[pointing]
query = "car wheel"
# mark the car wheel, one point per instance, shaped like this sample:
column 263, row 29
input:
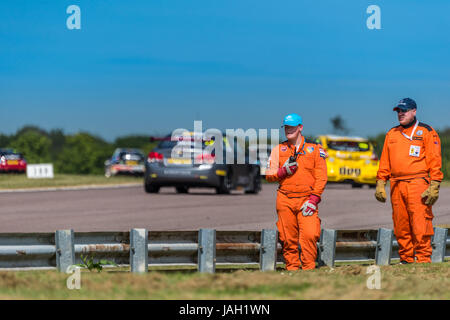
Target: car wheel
column 372, row 186
column 357, row 185
column 256, row 182
column 182, row 189
column 225, row 185
column 151, row 188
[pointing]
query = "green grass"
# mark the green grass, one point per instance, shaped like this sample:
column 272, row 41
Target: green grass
column 20, row 181
column 415, row 281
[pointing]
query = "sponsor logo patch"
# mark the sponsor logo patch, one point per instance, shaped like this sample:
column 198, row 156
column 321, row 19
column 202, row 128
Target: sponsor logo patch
column 322, row 153
column 417, row 138
column 310, row 149
column 284, row 148
column 419, row 133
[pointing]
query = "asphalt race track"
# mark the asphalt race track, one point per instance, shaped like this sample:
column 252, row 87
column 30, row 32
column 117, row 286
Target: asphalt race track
column 125, row 208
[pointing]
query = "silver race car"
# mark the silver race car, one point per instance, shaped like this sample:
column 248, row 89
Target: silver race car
column 184, row 164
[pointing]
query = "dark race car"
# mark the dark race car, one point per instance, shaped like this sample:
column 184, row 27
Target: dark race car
column 12, row 161
column 197, row 168
column 125, row 161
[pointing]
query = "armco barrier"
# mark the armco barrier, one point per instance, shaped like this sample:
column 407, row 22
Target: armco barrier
column 205, row 248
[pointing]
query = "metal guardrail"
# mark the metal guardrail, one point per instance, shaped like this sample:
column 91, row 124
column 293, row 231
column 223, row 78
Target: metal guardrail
column 205, row 248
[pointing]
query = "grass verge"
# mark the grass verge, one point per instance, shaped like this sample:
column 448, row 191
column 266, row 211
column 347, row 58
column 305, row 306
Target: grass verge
column 416, row 281
column 20, row 181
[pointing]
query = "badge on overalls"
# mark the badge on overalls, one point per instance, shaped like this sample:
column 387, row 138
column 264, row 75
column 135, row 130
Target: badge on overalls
column 414, row 151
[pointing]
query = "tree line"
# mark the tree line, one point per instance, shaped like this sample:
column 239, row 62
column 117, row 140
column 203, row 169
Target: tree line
column 84, row 153
column 80, row 153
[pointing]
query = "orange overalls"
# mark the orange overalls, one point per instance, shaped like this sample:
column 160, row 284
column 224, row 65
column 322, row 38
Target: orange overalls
column 310, row 178
column 411, row 157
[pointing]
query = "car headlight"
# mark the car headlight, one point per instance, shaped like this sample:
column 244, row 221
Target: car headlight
column 205, row 166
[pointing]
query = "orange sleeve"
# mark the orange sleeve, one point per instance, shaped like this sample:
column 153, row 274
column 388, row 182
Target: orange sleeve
column 320, row 172
column 273, row 164
column 433, row 155
column 384, row 170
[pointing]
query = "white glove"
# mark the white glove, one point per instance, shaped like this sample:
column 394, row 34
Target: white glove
column 308, row 208
column 291, row 167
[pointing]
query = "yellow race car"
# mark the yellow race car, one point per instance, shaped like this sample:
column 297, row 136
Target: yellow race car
column 350, row 160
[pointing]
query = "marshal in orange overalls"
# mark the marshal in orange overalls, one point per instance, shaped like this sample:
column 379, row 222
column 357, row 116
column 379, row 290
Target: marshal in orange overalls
column 411, row 157
column 293, row 192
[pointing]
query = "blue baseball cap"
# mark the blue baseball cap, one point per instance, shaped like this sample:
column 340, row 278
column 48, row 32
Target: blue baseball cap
column 292, row 120
column 405, row 105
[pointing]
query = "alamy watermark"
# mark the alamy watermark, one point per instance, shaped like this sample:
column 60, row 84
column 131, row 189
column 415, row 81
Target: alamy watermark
column 374, row 281
column 73, row 281
column 374, row 20
column 229, row 147
column 74, row 20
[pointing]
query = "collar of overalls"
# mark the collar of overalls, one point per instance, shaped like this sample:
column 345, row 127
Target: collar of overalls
column 300, row 148
column 409, row 125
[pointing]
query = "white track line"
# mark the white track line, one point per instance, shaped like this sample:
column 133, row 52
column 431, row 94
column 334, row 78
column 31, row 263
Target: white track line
column 75, row 188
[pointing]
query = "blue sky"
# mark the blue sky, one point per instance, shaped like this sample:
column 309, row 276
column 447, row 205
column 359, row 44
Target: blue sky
column 148, row 67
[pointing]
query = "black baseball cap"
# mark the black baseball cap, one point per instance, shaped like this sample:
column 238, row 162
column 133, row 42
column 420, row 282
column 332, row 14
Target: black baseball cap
column 405, row 105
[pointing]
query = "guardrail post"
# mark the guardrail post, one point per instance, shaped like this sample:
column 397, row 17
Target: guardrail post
column 139, row 250
column 65, row 250
column 439, row 244
column 268, row 250
column 328, row 246
column 383, row 251
column 207, row 250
